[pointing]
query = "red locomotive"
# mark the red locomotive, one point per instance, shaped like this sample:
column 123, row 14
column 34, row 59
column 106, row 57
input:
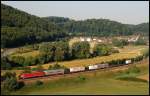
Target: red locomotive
column 31, row 75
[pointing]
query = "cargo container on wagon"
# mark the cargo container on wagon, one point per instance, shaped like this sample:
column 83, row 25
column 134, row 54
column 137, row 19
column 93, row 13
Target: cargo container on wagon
column 92, row 67
column 103, row 65
column 77, row 69
column 128, row 61
column 54, row 72
column 31, row 75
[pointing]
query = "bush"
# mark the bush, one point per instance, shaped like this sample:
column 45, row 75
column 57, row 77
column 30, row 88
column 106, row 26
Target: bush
column 26, row 70
column 10, row 84
column 50, row 67
column 102, row 50
column 38, row 83
column 119, row 43
column 81, row 78
column 21, row 84
column 133, row 69
column 5, row 65
column 8, row 75
column 140, row 41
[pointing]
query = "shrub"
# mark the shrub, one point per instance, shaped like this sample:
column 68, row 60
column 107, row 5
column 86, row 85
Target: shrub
column 27, row 70
column 5, row 65
column 81, row 78
column 133, row 69
column 8, row 75
column 10, row 84
column 38, row 83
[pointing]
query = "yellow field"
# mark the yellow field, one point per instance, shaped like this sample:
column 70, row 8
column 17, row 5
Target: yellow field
column 127, row 52
column 27, row 54
column 145, row 77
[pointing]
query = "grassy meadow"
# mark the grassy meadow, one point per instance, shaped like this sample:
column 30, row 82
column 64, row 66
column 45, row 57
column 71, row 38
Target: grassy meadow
column 99, row 82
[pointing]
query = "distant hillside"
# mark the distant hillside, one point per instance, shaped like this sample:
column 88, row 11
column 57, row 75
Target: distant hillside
column 57, row 20
column 142, row 28
column 19, row 28
column 98, row 27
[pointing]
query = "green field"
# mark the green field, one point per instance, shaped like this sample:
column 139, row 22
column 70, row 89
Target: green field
column 98, row 82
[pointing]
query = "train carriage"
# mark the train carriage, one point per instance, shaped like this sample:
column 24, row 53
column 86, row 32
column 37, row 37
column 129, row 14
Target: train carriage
column 54, row 72
column 77, row 69
column 128, row 62
column 92, row 67
column 103, row 65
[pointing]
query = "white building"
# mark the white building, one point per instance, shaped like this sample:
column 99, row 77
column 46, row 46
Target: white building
column 94, row 39
column 82, row 39
column 99, row 40
column 88, row 39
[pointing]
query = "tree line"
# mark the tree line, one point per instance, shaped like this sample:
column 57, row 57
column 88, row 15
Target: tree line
column 57, row 51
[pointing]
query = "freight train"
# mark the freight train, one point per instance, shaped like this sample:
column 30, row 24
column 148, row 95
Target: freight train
column 65, row 71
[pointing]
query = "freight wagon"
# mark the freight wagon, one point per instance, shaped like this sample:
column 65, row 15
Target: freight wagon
column 103, row 65
column 54, row 72
column 128, row 61
column 31, row 75
column 92, row 67
column 77, row 69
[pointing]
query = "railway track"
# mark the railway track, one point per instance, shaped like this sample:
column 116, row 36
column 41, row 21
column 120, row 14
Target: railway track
column 51, row 77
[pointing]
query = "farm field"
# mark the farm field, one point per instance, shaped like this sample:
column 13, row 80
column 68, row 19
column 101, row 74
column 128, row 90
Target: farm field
column 145, row 77
column 98, row 83
column 27, row 54
column 127, row 52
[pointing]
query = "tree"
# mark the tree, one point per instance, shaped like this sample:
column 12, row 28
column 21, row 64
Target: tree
column 81, row 50
column 10, row 84
column 140, row 41
column 101, row 50
column 119, row 43
column 47, row 51
column 61, row 51
column 8, row 75
column 5, row 64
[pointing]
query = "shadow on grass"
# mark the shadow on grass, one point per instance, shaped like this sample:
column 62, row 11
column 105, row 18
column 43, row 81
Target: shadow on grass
column 133, row 79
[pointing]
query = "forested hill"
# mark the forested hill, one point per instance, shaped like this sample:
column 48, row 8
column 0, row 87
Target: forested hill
column 142, row 28
column 98, row 27
column 19, row 28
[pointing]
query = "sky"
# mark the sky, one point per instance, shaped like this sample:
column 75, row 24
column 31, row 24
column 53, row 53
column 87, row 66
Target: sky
column 128, row 12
